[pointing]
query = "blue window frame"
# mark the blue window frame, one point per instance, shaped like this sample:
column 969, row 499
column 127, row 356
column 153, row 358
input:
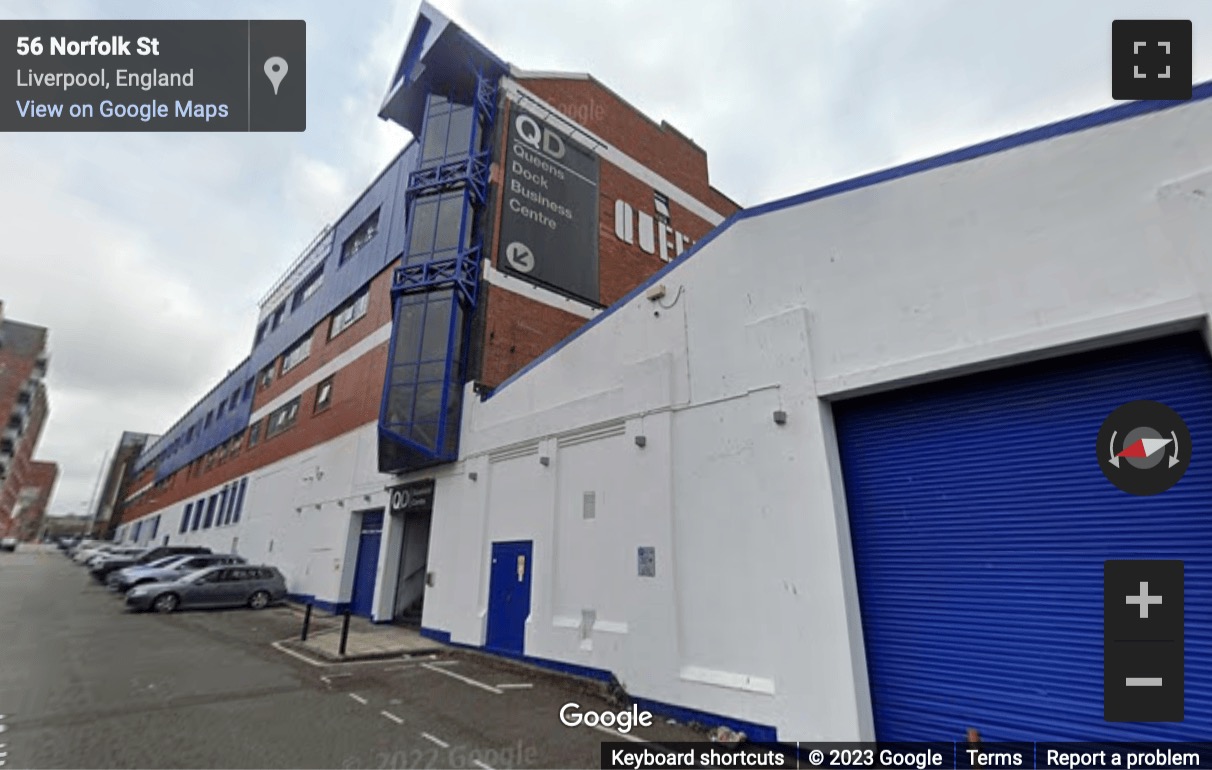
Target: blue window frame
column 221, row 508
column 239, row 500
column 198, row 513
column 210, row 511
column 136, row 530
column 155, row 527
column 185, row 518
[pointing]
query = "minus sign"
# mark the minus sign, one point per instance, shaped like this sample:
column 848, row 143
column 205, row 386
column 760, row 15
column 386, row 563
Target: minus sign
column 1143, row 681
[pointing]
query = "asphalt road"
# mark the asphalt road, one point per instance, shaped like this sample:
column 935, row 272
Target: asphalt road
column 83, row 683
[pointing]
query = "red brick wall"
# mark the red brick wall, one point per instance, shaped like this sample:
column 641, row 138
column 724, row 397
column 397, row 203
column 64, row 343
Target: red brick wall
column 658, row 146
column 41, row 475
column 19, row 470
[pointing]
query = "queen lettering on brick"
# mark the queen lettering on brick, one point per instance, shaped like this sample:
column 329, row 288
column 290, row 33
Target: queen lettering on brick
column 653, row 236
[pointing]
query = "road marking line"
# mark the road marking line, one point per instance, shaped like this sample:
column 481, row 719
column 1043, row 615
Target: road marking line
column 522, row 686
column 328, row 679
column 436, row 740
column 481, row 765
column 392, row 717
column 617, row 734
column 320, row 664
column 462, row 678
column 359, row 698
column 446, row 662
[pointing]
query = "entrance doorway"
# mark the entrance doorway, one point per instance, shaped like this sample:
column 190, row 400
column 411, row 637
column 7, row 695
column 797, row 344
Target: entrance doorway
column 414, row 565
column 509, row 596
column 367, row 564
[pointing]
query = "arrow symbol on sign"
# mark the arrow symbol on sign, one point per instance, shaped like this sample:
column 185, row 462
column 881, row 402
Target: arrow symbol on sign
column 1174, row 457
column 1114, row 457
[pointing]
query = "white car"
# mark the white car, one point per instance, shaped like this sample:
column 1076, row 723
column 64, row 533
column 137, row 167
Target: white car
column 8, row 544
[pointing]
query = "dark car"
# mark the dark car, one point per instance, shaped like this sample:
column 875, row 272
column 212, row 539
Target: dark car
column 167, row 569
column 232, row 586
column 102, row 569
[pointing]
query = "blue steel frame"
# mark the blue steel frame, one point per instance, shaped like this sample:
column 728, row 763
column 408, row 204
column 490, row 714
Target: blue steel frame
column 462, row 272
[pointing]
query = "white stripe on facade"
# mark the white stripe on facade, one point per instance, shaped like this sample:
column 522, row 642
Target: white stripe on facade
column 360, row 348
column 518, row 93
column 537, row 293
column 139, row 491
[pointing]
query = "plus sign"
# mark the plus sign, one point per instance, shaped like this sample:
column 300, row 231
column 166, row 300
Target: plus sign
column 1144, row 600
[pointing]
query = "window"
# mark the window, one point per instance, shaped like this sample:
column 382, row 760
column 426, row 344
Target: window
column 185, row 518
column 282, row 418
column 248, row 389
column 233, row 400
column 261, row 329
column 360, row 237
column 254, row 434
column 210, row 511
column 353, row 309
column 267, row 376
column 297, row 353
column 189, row 434
column 240, row 502
column 210, row 417
column 661, row 203
column 276, row 319
column 308, row 288
column 222, row 408
column 155, row 527
column 324, row 395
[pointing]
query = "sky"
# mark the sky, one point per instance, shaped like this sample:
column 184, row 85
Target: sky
column 146, row 254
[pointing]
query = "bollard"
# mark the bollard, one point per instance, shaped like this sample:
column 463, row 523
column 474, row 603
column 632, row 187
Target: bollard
column 344, row 633
column 306, row 622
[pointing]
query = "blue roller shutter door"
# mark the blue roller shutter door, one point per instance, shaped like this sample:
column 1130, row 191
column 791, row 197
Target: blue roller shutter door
column 980, row 522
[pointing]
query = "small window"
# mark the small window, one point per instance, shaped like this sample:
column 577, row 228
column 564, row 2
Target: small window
column 308, row 289
column 210, row 417
column 282, row 418
column 248, row 389
column 297, row 354
column 661, row 203
column 267, row 376
column 348, row 313
column 360, row 237
column 324, row 395
column 254, row 434
column 222, row 408
column 233, row 400
column 262, row 328
column 276, row 319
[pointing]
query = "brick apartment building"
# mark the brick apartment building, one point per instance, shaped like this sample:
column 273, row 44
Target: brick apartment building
column 527, row 204
column 25, row 485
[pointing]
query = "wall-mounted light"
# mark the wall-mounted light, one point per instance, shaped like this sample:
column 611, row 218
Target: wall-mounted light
column 641, row 441
column 473, row 475
column 655, row 292
column 544, row 460
column 780, row 417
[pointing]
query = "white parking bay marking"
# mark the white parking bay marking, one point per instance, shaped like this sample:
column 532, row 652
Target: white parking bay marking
column 358, row 698
column 392, row 717
column 435, row 739
column 462, row 678
column 481, row 765
column 519, row 686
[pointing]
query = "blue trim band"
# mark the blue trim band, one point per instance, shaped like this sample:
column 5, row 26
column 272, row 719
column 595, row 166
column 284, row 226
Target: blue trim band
column 1102, row 117
column 435, row 634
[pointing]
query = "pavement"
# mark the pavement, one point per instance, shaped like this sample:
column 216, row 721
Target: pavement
column 365, row 641
column 85, row 683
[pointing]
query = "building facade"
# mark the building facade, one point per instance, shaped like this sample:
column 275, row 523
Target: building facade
column 29, row 514
column 527, row 204
column 119, row 467
column 834, row 474
column 23, row 402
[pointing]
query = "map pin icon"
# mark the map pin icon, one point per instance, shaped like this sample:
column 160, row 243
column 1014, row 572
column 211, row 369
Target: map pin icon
column 275, row 70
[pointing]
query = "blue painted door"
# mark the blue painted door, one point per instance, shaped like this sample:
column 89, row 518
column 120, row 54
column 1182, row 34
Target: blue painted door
column 367, row 564
column 509, row 596
column 980, row 521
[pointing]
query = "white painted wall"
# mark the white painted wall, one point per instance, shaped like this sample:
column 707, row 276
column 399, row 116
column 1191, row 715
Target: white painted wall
column 1077, row 241
column 298, row 514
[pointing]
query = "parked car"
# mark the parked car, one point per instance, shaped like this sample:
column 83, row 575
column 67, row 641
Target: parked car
column 8, row 544
column 110, row 553
column 86, row 551
column 101, row 570
column 241, row 586
column 167, row 569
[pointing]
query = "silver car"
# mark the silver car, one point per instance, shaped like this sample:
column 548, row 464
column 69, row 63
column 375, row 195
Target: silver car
column 228, row 586
column 167, row 569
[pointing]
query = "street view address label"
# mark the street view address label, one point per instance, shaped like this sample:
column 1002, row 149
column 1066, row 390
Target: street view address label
column 153, row 75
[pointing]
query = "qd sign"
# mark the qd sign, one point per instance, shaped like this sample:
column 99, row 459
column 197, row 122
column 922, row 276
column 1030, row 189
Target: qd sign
column 538, row 136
